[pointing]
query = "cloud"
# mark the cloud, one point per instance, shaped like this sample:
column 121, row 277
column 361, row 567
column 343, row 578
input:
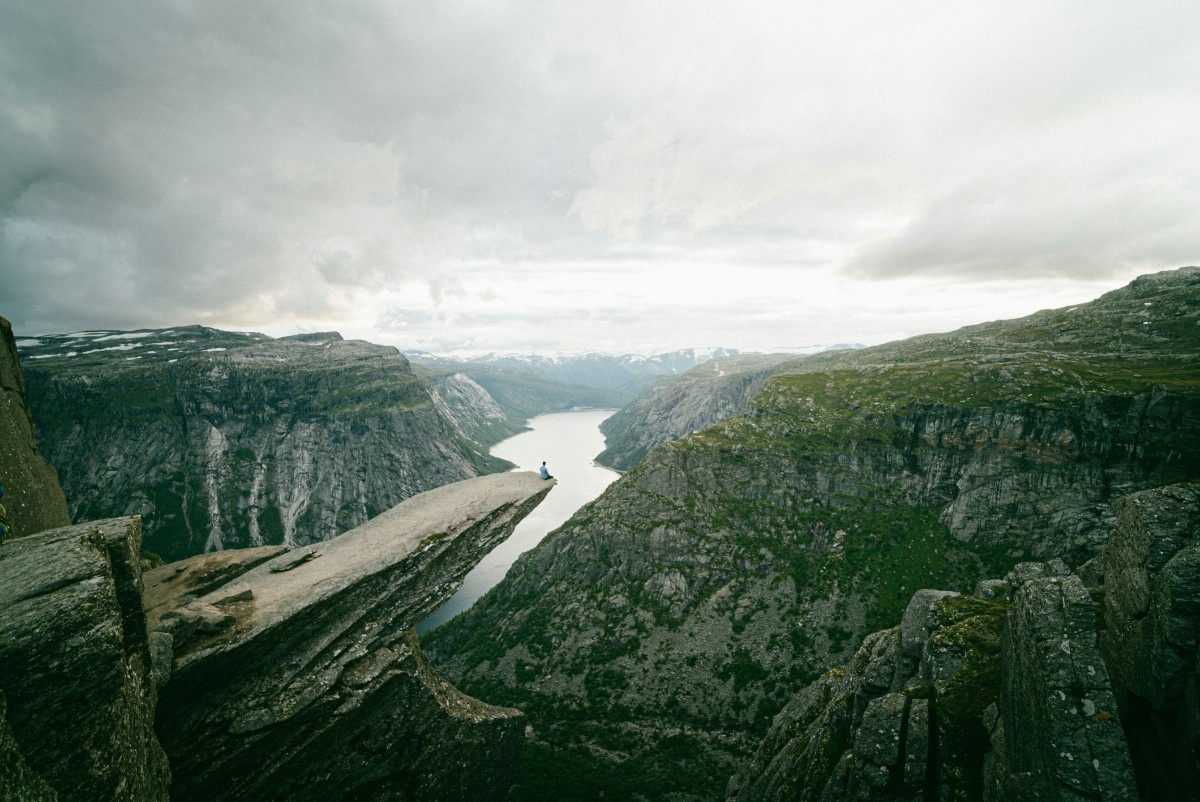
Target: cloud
column 1084, row 215
column 319, row 163
column 228, row 160
column 906, row 139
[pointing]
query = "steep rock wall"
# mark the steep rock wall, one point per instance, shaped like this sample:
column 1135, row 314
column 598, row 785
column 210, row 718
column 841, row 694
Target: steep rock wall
column 77, row 673
column 471, row 409
column 221, row 440
column 967, row 699
column 1150, row 572
column 33, row 498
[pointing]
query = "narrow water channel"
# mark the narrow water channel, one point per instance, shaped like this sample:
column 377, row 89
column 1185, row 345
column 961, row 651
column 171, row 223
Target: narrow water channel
column 567, row 442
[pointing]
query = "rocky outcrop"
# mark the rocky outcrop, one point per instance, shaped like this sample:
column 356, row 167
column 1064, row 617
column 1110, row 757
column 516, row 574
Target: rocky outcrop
column 300, row 677
column 523, row 392
column 470, row 408
column 967, row 699
column 1056, row 733
column 33, row 498
column 682, row 609
column 76, row 668
column 227, row 440
column 1150, row 574
column 672, row 407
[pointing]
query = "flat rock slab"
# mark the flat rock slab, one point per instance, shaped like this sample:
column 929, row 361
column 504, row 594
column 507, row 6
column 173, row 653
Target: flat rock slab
column 167, row 585
column 301, row 678
column 303, row 577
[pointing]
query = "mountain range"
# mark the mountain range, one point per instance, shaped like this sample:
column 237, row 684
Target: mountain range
column 654, row 636
column 960, row 566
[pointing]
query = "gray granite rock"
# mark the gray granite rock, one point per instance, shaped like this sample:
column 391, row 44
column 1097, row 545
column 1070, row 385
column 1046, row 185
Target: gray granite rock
column 991, row 589
column 33, row 498
column 300, row 677
column 1062, row 737
column 76, row 662
column 1152, row 611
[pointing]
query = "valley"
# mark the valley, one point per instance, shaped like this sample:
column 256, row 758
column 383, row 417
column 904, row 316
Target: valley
column 802, row 552
column 653, row 637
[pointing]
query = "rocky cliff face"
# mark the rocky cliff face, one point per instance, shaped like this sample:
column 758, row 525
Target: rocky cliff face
column 266, row 673
column 223, row 440
column 670, row 408
column 77, row 672
column 652, row 638
column 1049, row 685
column 470, row 408
column 33, row 498
column 1149, row 575
column 967, row 699
column 301, row 678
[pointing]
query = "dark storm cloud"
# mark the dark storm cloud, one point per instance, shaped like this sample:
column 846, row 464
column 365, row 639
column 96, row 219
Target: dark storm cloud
column 188, row 160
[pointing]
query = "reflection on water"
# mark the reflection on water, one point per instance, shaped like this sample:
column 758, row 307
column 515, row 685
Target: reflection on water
column 567, row 442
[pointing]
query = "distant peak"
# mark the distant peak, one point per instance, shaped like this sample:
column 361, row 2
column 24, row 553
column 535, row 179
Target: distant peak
column 314, row 336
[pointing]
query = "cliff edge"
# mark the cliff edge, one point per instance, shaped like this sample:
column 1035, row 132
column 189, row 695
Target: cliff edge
column 32, row 496
column 77, row 677
column 1048, row 684
column 301, row 676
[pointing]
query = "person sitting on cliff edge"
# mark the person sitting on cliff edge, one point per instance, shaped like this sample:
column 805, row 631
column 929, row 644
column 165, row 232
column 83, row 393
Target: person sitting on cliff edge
column 545, row 473
column 4, row 527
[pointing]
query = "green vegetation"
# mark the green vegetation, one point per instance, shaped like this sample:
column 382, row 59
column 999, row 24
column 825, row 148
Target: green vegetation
column 434, row 537
column 973, row 628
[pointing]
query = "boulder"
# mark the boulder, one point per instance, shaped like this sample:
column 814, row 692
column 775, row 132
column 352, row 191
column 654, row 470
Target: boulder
column 1151, row 595
column 76, row 667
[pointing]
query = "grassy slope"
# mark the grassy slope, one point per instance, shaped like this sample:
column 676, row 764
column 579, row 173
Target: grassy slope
column 616, row 709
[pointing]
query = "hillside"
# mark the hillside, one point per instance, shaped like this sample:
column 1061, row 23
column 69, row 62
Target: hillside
column 671, row 407
column 522, row 392
column 224, row 439
column 653, row 637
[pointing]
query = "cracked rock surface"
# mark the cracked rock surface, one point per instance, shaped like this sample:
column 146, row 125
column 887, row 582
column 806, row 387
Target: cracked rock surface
column 300, row 678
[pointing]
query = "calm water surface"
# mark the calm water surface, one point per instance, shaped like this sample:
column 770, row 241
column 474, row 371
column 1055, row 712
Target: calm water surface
column 568, row 442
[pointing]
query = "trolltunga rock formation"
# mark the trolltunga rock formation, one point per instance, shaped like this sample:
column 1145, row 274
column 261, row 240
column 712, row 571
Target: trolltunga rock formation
column 301, row 676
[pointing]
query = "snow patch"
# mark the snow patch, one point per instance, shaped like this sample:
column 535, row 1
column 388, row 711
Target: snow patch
column 28, row 343
column 132, row 335
column 123, row 347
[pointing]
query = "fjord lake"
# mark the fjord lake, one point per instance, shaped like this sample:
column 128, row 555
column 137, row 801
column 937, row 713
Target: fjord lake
column 567, row 442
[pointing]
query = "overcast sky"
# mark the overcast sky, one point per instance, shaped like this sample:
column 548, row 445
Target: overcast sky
column 569, row 176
